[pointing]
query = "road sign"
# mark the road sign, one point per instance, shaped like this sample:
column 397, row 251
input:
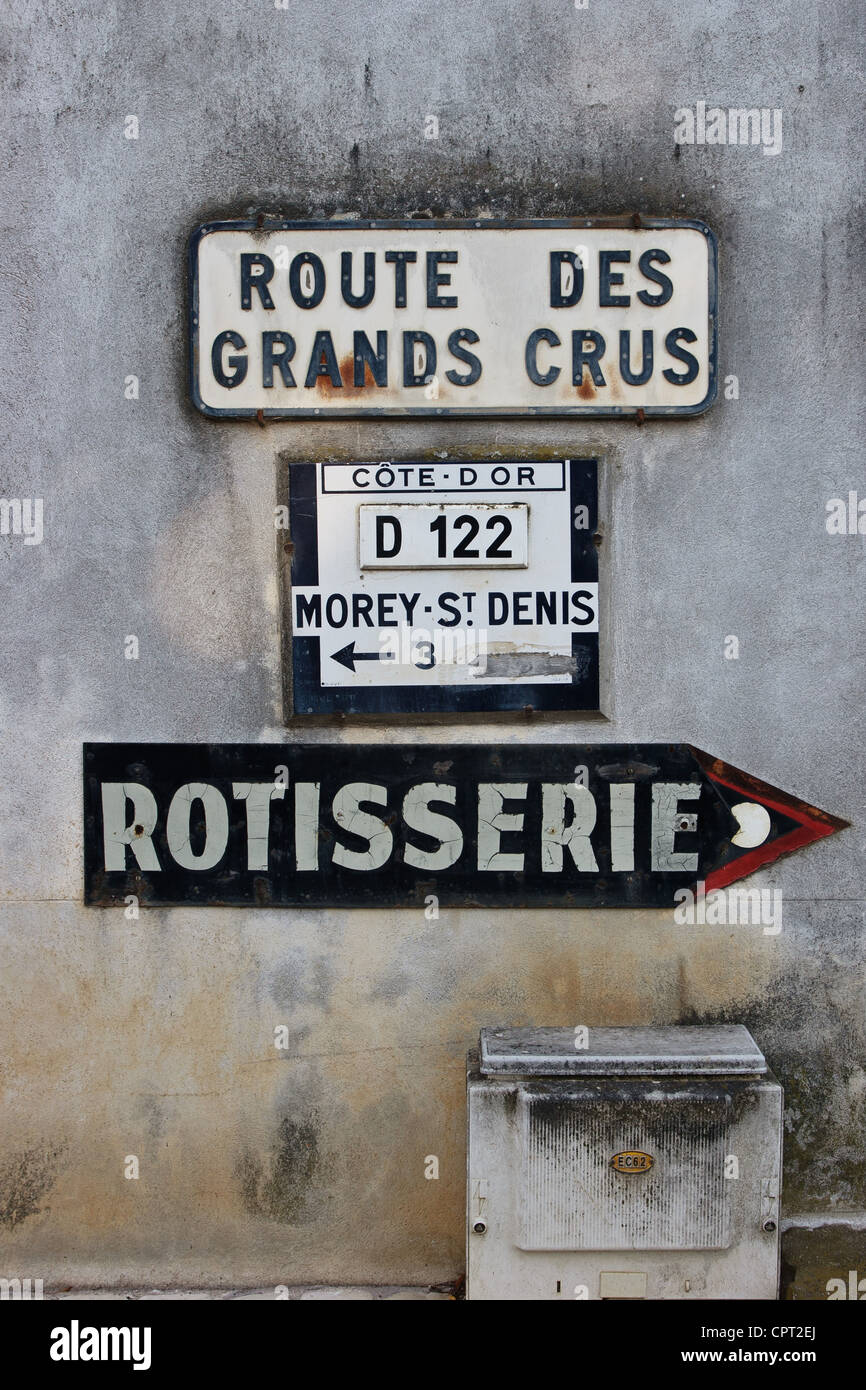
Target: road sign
column 518, row 825
column 444, row 586
column 581, row 317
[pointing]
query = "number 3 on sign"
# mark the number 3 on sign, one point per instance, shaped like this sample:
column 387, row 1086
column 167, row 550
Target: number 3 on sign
column 425, row 650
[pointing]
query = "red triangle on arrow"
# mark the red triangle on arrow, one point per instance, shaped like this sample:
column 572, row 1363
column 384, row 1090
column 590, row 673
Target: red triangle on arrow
column 812, row 823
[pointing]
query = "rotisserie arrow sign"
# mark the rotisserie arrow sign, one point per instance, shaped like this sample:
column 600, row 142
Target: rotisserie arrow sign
column 511, row 825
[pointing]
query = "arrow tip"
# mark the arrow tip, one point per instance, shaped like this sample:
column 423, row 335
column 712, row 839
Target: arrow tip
column 346, row 656
column 753, row 817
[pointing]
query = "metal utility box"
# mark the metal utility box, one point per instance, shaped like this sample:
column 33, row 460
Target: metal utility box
column 622, row 1163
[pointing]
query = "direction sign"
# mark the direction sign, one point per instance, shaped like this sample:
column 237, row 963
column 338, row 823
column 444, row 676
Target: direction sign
column 444, row 586
column 585, row 317
column 566, row 825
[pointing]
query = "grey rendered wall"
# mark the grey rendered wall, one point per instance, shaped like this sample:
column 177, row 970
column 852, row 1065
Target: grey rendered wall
column 154, row 1037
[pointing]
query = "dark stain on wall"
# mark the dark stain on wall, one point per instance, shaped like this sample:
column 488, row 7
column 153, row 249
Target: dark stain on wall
column 824, row 1105
column 826, row 1262
column 26, row 1178
column 281, row 1188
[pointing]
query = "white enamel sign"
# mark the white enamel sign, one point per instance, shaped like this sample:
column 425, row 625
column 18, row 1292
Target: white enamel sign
column 445, row 318
column 444, row 585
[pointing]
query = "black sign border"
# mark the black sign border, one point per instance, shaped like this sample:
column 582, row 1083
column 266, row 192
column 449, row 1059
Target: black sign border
column 309, row 699
column 623, row 223
column 397, row 765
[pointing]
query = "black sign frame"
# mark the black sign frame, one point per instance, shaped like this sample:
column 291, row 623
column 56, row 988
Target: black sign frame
column 162, row 769
column 307, row 695
column 262, row 225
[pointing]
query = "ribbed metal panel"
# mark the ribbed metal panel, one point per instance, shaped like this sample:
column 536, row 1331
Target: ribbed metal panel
column 571, row 1197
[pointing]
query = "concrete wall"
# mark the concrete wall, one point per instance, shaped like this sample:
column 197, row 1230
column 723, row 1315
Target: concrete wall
column 155, row 1037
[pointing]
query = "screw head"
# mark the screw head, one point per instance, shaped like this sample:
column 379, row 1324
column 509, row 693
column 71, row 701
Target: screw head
column 480, row 1227
column 769, row 1227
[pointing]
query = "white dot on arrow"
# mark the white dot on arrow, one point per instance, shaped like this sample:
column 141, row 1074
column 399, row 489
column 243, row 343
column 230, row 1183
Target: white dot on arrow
column 754, row 822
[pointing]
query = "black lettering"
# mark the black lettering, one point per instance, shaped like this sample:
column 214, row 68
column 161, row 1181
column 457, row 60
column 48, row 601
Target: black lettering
column 606, row 278
column 558, row 259
column 435, row 278
column 545, row 608
column 281, row 360
column 399, row 260
column 410, row 376
column 237, row 364
column 385, row 607
column 323, row 361
column 585, row 610
column 539, row 378
column 646, row 371
column 468, row 523
column 309, row 610
column 464, row 335
column 522, row 615
column 249, row 282
column 644, row 265
column 692, row 365
column 337, row 610
column 365, row 357
column 382, row 551
column 358, row 301
column 580, row 357
column 446, row 603
column 505, row 529
column 497, row 608
column 362, row 606
column 316, row 295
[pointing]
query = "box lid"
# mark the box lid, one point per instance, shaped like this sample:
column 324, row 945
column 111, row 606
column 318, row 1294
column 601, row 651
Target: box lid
column 702, row 1050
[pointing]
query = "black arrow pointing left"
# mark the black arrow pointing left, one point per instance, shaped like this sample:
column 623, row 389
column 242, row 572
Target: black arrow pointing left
column 347, row 656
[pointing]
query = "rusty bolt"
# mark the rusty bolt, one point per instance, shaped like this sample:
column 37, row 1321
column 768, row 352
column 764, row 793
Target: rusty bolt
column 640, row 416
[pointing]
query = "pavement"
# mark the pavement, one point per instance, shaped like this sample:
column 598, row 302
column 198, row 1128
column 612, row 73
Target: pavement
column 282, row 1292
